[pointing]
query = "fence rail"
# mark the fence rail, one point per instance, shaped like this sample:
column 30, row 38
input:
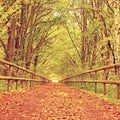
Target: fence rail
column 104, row 75
column 19, row 76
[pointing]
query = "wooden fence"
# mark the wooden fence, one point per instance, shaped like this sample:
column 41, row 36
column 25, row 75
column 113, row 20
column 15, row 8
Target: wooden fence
column 104, row 75
column 19, row 76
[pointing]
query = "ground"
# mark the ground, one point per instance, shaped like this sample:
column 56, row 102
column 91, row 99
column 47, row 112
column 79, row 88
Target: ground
column 55, row 101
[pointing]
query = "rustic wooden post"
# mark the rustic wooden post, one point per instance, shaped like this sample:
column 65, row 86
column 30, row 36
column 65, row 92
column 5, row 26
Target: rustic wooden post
column 9, row 74
column 17, row 72
column 16, row 84
column 96, row 77
column 33, row 77
column 77, row 84
column 33, row 83
column 104, row 84
column 105, row 74
column 95, row 87
column 79, row 79
column 30, row 83
column 8, row 85
column 22, row 84
column 118, row 91
column 118, row 72
column 26, row 82
column 104, row 91
column 81, row 84
column 9, row 70
column 89, row 86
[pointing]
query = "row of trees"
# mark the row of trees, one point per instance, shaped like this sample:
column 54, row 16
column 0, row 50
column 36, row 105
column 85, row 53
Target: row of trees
column 62, row 36
column 98, row 22
column 26, row 26
column 93, row 27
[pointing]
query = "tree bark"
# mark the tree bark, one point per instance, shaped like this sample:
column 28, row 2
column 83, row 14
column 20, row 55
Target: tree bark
column 117, row 29
column 84, row 27
column 22, row 31
column 11, row 41
column 29, row 47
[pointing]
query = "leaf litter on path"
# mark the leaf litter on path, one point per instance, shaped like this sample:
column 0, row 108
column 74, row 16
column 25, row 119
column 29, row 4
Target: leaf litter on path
column 55, row 101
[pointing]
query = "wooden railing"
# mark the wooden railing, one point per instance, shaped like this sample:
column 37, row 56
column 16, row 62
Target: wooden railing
column 104, row 75
column 14, row 75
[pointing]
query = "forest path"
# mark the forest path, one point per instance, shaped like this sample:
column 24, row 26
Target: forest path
column 55, row 101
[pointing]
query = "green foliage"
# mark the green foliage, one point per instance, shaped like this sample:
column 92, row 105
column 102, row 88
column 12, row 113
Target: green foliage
column 110, row 96
column 66, row 35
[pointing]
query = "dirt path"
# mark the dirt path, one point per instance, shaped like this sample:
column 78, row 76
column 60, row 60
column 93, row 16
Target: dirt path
column 55, row 102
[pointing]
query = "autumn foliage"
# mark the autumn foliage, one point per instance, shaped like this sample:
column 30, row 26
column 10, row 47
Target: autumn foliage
column 55, row 101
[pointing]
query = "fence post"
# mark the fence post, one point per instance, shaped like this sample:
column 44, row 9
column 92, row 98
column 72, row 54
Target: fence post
column 17, row 72
column 85, row 85
column 9, row 74
column 89, row 86
column 22, row 84
column 16, row 84
column 118, row 72
column 8, row 85
column 118, row 91
column 105, row 74
column 95, row 87
column 30, row 83
column 33, row 77
column 104, row 89
column 26, row 83
column 104, row 84
column 96, row 77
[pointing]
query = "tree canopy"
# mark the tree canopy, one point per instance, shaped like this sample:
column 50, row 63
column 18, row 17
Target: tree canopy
column 60, row 37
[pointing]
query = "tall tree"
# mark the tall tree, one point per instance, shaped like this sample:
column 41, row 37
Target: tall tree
column 117, row 28
column 11, row 41
column 30, row 40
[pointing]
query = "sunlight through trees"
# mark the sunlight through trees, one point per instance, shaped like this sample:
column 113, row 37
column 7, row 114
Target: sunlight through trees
column 62, row 36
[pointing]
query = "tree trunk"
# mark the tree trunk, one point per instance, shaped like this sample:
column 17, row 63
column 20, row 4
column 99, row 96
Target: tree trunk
column 11, row 41
column 29, row 47
column 35, row 62
column 84, row 27
column 22, row 31
column 117, row 30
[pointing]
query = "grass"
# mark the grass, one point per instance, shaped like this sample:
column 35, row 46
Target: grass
column 111, row 91
column 3, row 86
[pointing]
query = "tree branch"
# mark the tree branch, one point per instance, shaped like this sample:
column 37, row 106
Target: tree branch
column 4, row 46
